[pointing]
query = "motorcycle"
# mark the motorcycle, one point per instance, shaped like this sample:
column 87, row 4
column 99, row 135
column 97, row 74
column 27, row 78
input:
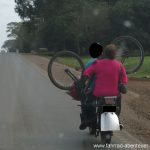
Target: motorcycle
column 106, row 108
column 107, row 120
column 66, row 68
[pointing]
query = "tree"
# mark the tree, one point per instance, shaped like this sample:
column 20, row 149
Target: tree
column 25, row 8
column 9, row 45
column 75, row 24
column 22, row 33
column 132, row 17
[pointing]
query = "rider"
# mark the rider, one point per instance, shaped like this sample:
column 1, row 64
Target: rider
column 107, row 73
column 95, row 51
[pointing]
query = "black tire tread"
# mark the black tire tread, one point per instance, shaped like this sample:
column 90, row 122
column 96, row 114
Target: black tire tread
column 141, row 51
column 62, row 53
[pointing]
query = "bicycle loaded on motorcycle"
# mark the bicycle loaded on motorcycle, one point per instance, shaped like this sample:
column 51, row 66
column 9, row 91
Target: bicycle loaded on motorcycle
column 105, row 110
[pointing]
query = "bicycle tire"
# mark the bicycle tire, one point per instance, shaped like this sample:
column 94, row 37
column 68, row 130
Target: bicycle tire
column 59, row 54
column 141, row 50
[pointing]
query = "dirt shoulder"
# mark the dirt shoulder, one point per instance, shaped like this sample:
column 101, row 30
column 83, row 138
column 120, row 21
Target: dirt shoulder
column 135, row 105
column 135, row 110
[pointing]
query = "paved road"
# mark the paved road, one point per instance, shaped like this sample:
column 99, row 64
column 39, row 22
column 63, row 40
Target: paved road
column 34, row 115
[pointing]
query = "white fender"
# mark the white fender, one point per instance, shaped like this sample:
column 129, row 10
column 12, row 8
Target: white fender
column 109, row 122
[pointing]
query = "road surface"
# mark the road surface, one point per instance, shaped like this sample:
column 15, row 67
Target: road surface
column 34, row 115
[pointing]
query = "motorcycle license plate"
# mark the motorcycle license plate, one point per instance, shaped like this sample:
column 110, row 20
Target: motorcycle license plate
column 110, row 100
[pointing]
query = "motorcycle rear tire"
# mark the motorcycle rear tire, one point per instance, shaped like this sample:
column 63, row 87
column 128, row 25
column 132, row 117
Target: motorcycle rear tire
column 92, row 131
column 106, row 137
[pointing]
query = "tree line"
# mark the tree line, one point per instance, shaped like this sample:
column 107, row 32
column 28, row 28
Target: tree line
column 75, row 24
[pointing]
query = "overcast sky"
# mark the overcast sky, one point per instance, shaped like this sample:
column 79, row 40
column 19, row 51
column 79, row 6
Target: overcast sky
column 7, row 14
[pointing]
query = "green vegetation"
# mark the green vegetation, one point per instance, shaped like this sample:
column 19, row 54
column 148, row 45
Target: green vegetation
column 142, row 73
column 75, row 24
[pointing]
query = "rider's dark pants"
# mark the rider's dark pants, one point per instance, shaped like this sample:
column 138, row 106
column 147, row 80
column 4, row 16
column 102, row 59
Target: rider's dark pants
column 88, row 112
column 119, row 105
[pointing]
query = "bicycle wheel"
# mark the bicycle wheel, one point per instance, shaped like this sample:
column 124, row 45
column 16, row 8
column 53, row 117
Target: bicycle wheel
column 64, row 68
column 130, row 53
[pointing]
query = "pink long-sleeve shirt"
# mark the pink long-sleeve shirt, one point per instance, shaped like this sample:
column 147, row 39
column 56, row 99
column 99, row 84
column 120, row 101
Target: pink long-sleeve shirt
column 108, row 74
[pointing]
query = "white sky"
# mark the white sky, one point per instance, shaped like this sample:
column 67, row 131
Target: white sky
column 7, row 14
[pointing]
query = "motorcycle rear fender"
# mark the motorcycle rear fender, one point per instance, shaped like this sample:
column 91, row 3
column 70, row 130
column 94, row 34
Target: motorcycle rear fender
column 109, row 122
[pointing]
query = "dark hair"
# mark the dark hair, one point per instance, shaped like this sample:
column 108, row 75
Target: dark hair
column 95, row 50
column 110, row 51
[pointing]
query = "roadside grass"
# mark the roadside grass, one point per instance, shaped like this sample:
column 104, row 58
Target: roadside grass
column 45, row 55
column 142, row 73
